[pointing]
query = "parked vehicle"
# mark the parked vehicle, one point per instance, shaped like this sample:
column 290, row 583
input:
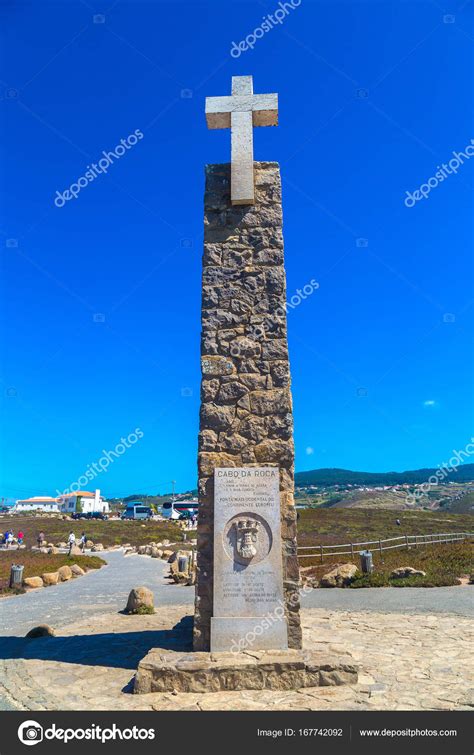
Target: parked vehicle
column 90, row 515
column 185, row 516
column 138, row 511
column 175, row 509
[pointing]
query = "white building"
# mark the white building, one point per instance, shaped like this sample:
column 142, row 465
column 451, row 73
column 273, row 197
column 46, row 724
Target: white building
column 37, row 503
column 82, row 501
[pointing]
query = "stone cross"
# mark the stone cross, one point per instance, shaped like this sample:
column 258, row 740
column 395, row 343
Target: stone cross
column 241, row 112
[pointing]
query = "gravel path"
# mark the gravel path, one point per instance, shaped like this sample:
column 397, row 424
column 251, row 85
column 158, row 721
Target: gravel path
column 107, row 589
column 442, row 600
column 97, row 592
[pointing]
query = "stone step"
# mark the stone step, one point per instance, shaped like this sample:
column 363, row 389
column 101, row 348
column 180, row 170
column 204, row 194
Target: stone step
column 161, row 671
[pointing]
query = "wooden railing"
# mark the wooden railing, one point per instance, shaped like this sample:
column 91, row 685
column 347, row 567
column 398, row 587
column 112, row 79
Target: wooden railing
column 404, row 541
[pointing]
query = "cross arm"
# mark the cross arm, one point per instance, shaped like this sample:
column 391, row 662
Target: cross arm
column 264, row 109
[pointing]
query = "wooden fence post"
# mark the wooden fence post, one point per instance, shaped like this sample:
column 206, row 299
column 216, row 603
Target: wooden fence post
column 406, row 541
column 321, row 553
column 380, row 547
column 352, row 551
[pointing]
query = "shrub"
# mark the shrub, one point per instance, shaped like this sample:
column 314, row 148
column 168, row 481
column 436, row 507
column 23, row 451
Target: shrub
column 143, row 610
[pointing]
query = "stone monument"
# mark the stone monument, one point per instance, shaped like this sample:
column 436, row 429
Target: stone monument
column 247, row 580
column 247, row 565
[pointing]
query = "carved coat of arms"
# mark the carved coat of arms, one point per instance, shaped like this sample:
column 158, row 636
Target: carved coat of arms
column 247, row 537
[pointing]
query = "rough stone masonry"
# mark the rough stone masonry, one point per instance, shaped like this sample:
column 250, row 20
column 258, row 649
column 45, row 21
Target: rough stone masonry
column 246, row 407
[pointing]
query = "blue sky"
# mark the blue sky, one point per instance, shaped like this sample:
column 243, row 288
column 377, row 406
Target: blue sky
column 101, row 297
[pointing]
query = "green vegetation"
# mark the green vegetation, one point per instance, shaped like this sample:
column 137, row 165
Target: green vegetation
column 462, row 506
column 109, row 532
column 463, row 473
column 444, row 564
column 144, row 610
column 328, row 526
column 37, row 564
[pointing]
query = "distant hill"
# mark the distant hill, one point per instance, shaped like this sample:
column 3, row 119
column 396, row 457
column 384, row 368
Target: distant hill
column 463, row 473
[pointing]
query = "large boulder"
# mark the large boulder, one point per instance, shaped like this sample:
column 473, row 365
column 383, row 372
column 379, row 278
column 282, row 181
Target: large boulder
column 167, row 554
column 33, row 582
column 61, row 545
column 140, row 600
column 50, row 578
column 142, row 550
column 155, row 552
column 77, row 571
column 341, row 576
column 89, row 544
column 406, row 571
column 42, row 630
column 75, row 551
column 97, row 547
column 65, row 573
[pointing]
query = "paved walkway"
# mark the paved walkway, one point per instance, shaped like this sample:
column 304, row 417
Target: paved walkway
column 407, row 662
column 107, row 590
column 414, row 645
column 449, row 600
column 100, row 590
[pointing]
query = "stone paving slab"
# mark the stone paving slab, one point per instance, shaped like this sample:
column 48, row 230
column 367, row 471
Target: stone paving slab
column 406, row 662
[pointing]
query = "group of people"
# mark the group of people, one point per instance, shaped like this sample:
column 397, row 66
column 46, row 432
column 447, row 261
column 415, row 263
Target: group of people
column 71, row 541
column 9, row 537
column 190, row 523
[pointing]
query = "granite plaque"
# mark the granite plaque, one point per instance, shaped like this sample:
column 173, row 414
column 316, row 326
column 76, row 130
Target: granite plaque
column 248, row 609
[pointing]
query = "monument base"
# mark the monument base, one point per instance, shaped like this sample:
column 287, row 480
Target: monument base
column 161, row 671
column 227, row 634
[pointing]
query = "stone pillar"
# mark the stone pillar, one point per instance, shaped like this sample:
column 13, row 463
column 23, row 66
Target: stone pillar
column 246, row 408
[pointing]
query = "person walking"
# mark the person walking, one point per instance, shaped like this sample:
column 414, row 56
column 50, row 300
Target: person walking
column 83, row 542
column 40, row 539
column 9, row 538
column 71, row 541
column 20, row 537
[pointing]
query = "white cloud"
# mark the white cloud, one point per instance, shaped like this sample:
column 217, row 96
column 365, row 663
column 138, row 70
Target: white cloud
column 429, row 402
column 309, row 451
